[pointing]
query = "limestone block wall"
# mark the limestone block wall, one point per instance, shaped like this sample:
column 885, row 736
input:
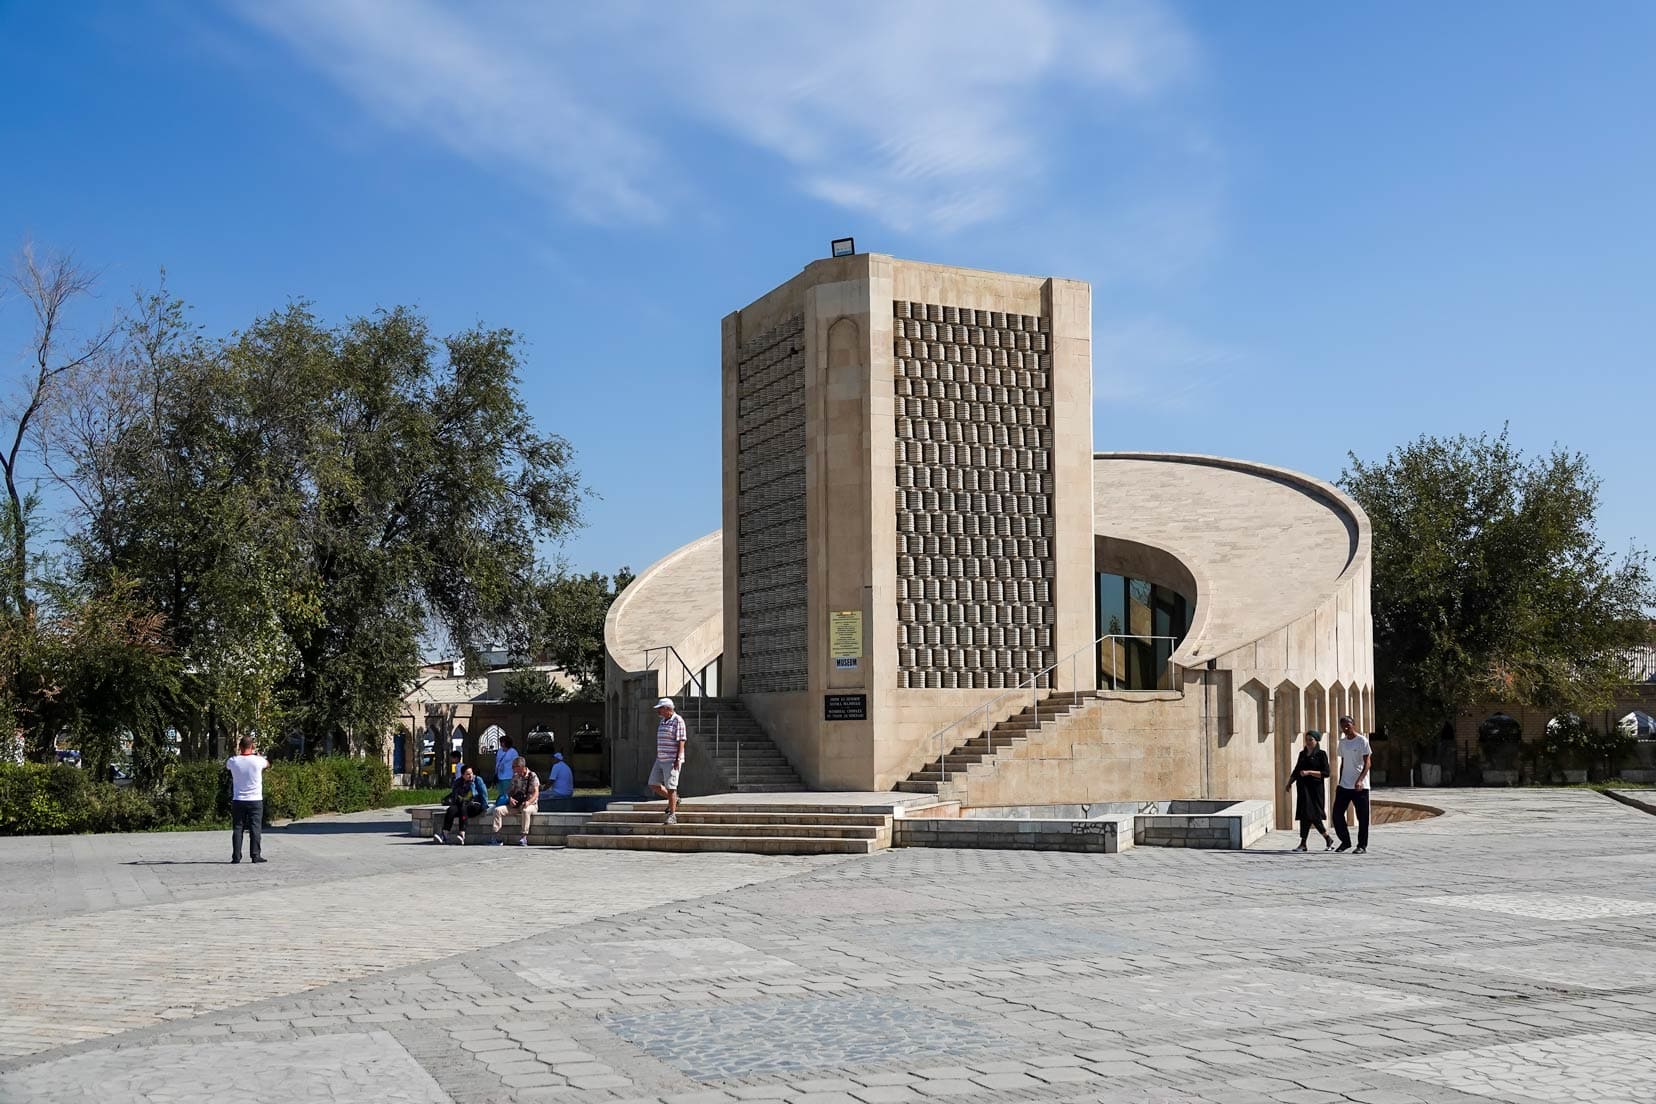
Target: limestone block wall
column 1281, row 636
column 1265, row 695
column 1119, row 748
column 675, row 601
column 972, row 422
column 770, row 510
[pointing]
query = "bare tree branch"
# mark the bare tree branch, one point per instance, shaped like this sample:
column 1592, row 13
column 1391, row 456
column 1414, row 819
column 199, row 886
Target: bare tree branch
column 50, row 285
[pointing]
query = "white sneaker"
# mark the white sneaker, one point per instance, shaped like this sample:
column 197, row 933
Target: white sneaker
column 523, row 841
column 438, row 837
column 672, row 818
column 460, row 838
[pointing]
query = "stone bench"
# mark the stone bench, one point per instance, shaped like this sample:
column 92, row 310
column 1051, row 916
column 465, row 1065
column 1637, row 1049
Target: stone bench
column 547, row 829
column 1106, row 835
column 1210, row 824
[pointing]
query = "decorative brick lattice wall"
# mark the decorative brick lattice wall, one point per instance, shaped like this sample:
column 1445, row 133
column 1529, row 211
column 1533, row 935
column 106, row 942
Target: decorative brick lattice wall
column 770, row 506
column 973, row 412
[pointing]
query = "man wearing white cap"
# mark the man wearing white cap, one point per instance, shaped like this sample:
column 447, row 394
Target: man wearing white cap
column 664, row 776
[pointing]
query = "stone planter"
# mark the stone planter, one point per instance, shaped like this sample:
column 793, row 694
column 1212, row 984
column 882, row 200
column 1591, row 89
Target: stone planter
column 1431, row 774
column 1573, row 777
column 1500, row 777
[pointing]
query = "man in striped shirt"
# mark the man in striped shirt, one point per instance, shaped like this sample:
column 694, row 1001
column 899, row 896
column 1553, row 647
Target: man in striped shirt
column 664, row 776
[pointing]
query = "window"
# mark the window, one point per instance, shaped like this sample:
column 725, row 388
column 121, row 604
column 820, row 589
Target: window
column 1144, row 624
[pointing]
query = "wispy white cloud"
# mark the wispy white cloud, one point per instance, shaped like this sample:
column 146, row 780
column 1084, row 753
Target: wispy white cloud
column 1152, row 362
column 926, row 115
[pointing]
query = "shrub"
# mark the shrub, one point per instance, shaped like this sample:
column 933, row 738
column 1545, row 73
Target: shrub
column 40, row 799
column 339, row 784
column 1569, row 742
column 117, row 809
column 27, row 806
column 37, row 799
column 1500, row 741
column 1608, row 750
column 194, row 792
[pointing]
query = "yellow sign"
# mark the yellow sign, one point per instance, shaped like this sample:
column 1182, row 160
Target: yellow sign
column 845, row 640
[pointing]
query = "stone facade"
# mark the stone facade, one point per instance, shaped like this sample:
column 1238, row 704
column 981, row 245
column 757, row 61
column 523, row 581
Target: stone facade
column 937, row 428
column 974, row 496
column 770, row 508
column 914, row 524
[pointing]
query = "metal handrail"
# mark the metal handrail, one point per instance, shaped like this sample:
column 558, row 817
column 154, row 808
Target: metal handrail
column 689, row 675
column 1032, row 684
column 1174, row 641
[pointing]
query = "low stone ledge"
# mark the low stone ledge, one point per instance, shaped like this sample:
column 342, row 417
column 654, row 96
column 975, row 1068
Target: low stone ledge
column 546, row 830
column 1205, row 824
column 1107, row 835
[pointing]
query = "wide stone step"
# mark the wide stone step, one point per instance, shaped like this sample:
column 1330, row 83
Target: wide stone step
column 654, row 827
column 749, row 845
column 761, row 787
column 692, row 816
column 909, row 785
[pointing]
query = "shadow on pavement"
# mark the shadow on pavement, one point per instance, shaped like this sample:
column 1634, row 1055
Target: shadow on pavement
column 387, row 826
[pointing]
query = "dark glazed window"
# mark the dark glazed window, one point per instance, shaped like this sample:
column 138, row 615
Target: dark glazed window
column 1144, row 624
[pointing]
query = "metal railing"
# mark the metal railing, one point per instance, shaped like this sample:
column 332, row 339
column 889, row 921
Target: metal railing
column 1031, row 686
column 1133, row 647
column 666, row 685
column 691, row 679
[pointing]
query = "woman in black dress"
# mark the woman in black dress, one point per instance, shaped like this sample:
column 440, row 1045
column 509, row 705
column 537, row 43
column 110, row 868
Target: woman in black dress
column 1310, row 773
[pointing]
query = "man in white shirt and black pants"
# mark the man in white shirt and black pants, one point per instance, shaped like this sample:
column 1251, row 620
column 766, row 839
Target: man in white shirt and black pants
column 1353, row 789
column 246, row 799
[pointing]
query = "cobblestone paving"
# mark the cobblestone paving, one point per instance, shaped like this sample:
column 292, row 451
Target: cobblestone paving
column 324, row 1068
column 740, row 1040
column 596, row 965
column 1612, row 1067
column 1501, row 952
column 1547, row 906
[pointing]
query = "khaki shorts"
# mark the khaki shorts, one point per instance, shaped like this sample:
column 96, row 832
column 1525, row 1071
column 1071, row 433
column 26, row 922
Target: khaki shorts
column 664, row 774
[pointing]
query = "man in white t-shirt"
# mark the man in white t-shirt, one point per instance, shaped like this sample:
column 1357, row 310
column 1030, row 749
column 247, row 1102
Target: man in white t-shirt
column 246, row 799
column 1353, row 789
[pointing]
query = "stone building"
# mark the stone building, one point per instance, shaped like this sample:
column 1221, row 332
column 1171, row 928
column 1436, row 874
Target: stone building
column 927, row 579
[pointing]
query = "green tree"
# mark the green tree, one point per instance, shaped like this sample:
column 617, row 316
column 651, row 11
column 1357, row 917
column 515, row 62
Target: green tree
column 568, row 625
column 530, row 687
column 1490, row 582
column 302, row 501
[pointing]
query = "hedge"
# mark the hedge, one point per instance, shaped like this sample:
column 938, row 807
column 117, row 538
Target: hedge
column 37, row 799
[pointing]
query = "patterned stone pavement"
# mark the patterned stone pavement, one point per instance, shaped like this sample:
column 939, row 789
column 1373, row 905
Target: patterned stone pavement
column 1502, row 952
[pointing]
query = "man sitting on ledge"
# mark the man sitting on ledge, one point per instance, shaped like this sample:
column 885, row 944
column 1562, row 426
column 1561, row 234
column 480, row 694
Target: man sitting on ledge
column 522, row 798
column 467, row 799
column 563, row 785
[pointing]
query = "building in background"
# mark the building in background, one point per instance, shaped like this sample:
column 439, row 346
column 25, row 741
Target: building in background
column 927, row 579
column 446, row 708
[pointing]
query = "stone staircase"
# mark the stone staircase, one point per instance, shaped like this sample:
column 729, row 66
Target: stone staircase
column 934, row 778
column 746, row 760
column 771, row 828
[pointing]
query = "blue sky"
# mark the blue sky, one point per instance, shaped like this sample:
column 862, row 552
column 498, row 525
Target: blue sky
column 1310, row 228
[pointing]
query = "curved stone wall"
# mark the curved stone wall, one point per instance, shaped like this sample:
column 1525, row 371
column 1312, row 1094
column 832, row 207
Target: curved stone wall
column 1281, row 639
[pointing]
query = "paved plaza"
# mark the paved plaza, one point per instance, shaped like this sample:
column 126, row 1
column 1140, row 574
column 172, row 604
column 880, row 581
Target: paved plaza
column 1501, row 952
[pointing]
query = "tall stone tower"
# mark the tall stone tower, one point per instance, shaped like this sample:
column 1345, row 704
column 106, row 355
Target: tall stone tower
column 908, row 510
